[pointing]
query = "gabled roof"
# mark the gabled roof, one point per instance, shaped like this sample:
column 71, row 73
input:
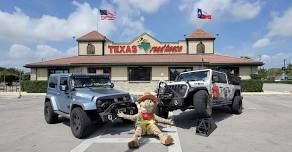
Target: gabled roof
column 151, row 59
column 92, row 36
column 200, row 34
column 141, row 35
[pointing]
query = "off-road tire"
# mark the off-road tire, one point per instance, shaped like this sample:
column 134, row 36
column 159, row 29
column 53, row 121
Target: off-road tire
column 162, row 112
column 80, row 123
column 236, row 107
column 202, row 104
column 50, row 116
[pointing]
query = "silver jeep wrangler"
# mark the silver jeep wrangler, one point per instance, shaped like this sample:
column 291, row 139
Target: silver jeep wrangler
column 200, row 90
column 85, row 99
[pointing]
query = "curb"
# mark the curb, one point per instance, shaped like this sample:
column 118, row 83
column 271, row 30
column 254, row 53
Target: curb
column 265, row 93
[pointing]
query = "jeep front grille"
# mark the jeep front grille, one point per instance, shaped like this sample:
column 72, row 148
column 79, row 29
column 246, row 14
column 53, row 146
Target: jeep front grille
column 103, row 104
column 178, row 90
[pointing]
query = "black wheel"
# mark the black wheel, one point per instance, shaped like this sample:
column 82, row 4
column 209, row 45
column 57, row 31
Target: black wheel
column 202, row 104
column 50, row 116
column 162, row 112
column 236, row 107
column 80, row 123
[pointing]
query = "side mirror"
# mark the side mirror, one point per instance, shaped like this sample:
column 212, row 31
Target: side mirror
column 63, row 88
column 112, row 85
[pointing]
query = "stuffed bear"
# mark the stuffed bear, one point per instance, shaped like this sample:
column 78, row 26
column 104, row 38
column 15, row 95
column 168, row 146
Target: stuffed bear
column 146, row 121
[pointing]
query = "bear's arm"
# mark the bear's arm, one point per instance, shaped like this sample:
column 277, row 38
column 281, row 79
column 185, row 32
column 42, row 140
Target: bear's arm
column 162, row 120
column 129, row 117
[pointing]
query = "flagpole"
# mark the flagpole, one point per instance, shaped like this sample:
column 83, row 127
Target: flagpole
column 97, row 22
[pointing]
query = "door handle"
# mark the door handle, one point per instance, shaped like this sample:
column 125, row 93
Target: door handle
column 58, row 93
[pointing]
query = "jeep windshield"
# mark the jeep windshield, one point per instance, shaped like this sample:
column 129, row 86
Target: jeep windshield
column 193, row 76
column 91, row 81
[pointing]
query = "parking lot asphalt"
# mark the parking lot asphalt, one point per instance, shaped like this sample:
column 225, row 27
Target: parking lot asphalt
column 264, row 125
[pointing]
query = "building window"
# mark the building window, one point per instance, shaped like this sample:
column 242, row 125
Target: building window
column 56, row 71
column 201, row 48
column 175, row 71
column 139, row 73
column 101, row 70
column 90, row 49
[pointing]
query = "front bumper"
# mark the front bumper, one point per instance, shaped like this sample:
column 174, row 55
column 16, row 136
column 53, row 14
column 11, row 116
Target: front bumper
column 111, row 112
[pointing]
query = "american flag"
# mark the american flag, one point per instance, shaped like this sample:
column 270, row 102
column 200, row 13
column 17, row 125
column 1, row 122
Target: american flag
column 107, row 15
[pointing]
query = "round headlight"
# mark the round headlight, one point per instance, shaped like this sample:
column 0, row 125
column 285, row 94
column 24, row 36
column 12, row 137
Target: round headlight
column 184, row 87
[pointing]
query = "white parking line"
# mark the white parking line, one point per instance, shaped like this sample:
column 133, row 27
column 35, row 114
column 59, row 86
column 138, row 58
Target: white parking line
column 176, row 147
column 84, row 145
column 251, row 108
column 172, row 130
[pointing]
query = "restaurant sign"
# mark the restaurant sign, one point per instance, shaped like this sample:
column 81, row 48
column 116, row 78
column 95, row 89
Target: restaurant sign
column 146, row 47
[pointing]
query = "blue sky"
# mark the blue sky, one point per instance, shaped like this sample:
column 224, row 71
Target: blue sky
column 40, row 30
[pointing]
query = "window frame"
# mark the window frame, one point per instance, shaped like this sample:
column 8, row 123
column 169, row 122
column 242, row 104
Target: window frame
column 63, row 84
column 219, row 78
column 88, row 51
column 203, row 47
column 150, row 74
column 225, row 77
column 64, row 70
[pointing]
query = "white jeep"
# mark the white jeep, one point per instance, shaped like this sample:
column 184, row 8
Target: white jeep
column 200, row 90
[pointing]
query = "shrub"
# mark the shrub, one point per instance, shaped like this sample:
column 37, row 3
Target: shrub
column 251, row 85
column 34, row 86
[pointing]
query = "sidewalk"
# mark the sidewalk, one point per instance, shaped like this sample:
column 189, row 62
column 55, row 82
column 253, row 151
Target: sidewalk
column 266, row 93
column 22, row 94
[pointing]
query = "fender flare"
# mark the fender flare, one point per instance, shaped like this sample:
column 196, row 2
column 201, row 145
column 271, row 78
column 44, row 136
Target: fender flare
column 53, row 102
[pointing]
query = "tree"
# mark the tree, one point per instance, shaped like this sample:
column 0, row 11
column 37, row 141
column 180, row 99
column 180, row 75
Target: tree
column 289, row 70
column 9, row 75
column 263, row 73
column 274, row 71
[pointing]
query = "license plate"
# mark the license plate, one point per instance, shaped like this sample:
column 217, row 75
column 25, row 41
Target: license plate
column 122, row 110
column 110, row 117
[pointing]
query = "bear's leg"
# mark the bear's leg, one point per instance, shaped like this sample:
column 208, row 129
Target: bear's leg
column 164, row 138
column 135, row 142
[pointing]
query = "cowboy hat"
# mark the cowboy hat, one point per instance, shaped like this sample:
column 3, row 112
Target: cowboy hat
column 148, row 95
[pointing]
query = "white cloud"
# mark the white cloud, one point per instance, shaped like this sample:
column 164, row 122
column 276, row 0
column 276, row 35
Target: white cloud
column 18, row 51
column 276, row 60
column 19, row 55
column 242, row 10
column 261, row 43
column 281, row 25
column 129, row 15
column 150, row 6
column 234, row 10
column 20, row 27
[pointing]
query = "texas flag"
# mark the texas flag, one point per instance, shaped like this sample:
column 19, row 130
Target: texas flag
column 203, row 15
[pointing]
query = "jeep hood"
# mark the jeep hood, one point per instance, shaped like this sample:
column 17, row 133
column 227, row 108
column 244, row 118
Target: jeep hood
column 100, row 92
